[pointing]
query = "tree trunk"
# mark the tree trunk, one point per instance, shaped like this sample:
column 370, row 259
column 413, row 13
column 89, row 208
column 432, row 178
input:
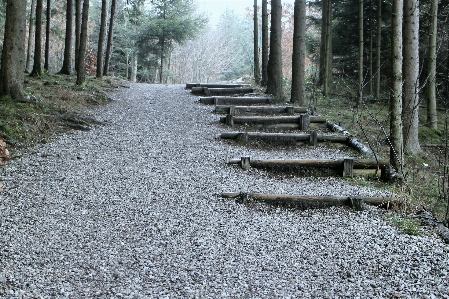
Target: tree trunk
column 432, row 120
column 30, row 35
column 47, row 35
column 410, row 96
column 396, row 141
column 274, row 84
column 256, row 45
column 323, row 42
column 264, row 43
column 104, row 6
column 67, row 63
column 37, row 66
column 110, row 36
column 325, row 76
column 360, row 77
column 370, row 55
column 13, row 60
column 378, row 47
column 299, row 54
column 78, row 12
column 81, row 73
column 133, row 68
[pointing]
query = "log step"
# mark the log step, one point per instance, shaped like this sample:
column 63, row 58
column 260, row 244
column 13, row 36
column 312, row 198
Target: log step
column 221, row 91
column 312, row 202
column 286, row 136
column 214, row 85
column 237, row 100
column 343, row 167
column 240, row 110
column 273, row 119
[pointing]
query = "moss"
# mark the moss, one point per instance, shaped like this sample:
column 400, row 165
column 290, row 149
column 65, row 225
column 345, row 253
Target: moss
column 408, row 225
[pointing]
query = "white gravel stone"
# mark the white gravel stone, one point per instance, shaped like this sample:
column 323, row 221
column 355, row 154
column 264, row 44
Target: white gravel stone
column 132, row 210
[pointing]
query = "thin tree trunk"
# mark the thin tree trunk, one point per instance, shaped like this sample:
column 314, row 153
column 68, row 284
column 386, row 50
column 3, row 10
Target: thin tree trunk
column 370, row 56
column 323, row 42
column 256, row 45
column 396, row 140
column 410, row 96
column 67, row 63
column 13, row 62
column 378, row 47
column 47, row 35
column 299, row 54
column 360, row 77
column 104, row 7
column 30, row 35
column 432, row 120
column 78, row 17
column 133, row 68
column 81, row 73
column 264, row 43
column 162, row 62
column 110, row 36
column 37, row 66
column 325, row 76
column 274, row 84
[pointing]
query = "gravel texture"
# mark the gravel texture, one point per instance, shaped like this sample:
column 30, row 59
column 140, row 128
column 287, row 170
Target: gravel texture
column 131, row 209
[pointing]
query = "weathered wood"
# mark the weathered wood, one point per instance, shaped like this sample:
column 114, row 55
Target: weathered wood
column 310, row 202
column 287, row 136
column 265, row 120
column 336, row 128
column 313, row 140
column 354, row 143
column 228, row 91
column 198, row 90
column 304, row 120
column 334, row 166
column 245, row 163
column 230, row 120
column 207, row 100
column 245, row 100
column 213, row 85
column 242, row 110
column 348, row 167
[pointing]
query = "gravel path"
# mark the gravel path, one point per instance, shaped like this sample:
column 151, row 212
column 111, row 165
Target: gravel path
column 131, row 210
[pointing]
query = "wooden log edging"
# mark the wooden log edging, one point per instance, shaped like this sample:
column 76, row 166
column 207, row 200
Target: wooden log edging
column 245, row 100
column 221, row 91
column 239, row 110
column 301, row 122
column 352, row 141
column 314, row 202
column 344, row 167
column 302, row 137
column 214, row 85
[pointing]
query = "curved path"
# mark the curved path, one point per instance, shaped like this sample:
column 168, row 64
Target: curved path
column 131, row 210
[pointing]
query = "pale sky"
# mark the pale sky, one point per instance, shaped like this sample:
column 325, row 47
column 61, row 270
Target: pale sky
column 214, row 8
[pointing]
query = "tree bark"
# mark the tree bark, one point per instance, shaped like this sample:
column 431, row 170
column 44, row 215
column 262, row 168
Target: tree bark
column 396, row 139
column 104, row 6
column 256, row 45
column 325, row 76
column 432, row 120
column 110, row 37
column 81, row 70
column 264, row 43
column 47, row 35
column 299, row 54
column 78, row 12
column 37, row 66
column 410, row 96
column 133, row 68
column 30, row 35
column 360, row 77
column 13, row 59
column 274, row 84
column 67, row 63
column 378, row 47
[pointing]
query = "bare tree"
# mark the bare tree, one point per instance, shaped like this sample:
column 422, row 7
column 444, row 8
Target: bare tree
column 47, row 35
column 264, row 42
column 274, row 83
column 37, row 66
column 432, row 120
column 78, row 15
column 67, row 63
column 256, row 45
column 104, row 6
column 360, row 77
column 299, row 54
column 81, row 70
column 325, row 76
column 110, row 36
column 396, row 139
column 410, row 96
column 13, row 59
column 30, row 35
column 378, row 47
